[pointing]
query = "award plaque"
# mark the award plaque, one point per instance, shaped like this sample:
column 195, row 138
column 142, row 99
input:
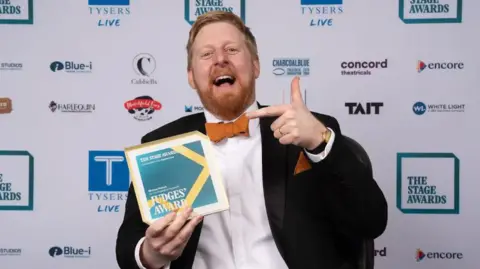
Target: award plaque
column 171, row 173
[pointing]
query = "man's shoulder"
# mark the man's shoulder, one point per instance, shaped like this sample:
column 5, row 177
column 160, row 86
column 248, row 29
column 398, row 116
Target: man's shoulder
column 178, row 126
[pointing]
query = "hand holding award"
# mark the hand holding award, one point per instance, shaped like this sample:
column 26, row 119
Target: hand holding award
column 166, row 238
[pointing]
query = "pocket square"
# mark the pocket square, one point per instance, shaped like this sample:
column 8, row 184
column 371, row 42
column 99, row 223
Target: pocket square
column 302, row 164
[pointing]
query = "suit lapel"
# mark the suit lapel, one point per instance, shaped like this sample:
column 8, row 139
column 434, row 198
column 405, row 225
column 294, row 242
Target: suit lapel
column 274, row 167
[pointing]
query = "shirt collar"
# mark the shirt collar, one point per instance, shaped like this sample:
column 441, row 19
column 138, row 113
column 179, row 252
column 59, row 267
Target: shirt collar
column 212, row 119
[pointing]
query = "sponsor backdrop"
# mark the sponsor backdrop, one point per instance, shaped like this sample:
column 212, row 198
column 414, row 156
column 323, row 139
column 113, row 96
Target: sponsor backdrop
column 81, row 80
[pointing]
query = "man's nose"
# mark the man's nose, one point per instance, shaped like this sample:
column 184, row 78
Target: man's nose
column 221, row 58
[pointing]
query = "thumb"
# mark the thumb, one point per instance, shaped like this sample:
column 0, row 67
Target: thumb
column 296, row 94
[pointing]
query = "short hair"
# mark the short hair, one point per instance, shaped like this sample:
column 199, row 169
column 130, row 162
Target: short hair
column 220, row 16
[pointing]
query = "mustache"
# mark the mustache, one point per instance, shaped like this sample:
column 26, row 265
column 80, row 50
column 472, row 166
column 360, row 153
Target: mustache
column 222, row 71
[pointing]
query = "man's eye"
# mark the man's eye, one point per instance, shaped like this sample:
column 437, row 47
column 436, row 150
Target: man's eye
column 206, row 54
column 232, row 50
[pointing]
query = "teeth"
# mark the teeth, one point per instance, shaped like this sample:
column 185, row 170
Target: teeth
column 223, row 77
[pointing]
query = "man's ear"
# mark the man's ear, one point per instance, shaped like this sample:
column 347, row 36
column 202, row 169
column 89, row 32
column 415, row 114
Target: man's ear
column 191, row 82
column 256, row 67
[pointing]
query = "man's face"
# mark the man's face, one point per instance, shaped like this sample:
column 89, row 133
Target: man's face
column 223, row 71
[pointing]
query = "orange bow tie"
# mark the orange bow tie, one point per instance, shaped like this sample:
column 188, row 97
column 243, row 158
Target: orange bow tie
column 219, row 131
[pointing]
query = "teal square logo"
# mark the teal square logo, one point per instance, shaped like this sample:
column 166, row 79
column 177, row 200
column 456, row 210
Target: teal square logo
column 428, row 183
column 16, row 180
column 418, row 12
column 17, row 12
column 195, row 8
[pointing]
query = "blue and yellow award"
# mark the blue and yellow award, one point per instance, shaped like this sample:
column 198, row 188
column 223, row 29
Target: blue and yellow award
column 170, row 173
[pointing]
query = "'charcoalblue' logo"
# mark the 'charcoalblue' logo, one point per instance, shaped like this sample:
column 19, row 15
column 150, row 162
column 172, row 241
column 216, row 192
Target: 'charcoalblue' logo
column 291, row 66
column 16, row 180
column 16, row 12
column 195, row 8
column 109, row 11
column 321, row 12
column 430, row 11
column 428, row 183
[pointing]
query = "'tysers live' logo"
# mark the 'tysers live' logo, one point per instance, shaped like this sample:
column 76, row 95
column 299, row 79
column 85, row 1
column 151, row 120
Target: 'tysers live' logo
column 195, row 8
column 428, row 183
column 321, row 12
column 430, row 11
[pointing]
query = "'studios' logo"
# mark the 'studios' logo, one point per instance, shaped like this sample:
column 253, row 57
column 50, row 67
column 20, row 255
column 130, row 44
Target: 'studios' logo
column 144, row 65
column 70, row 252
column 71, row 67
column 362, row 68
column 142, row 107
column 428, row 183
column 430, row 11
column 109, row 12
column 368, row 108
column 71, row 107
column 420, row 255
column 420, row 108
column 421, row 66
column 291, row 66
column 195, row 8
column 321, row 12
column 16, row 11
column 10, row 252
column 16, row 180
column 191, row 108
column 10, row 66
column 108, row 179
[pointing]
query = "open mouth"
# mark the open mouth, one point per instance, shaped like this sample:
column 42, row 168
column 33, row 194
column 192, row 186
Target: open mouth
column 224, row 80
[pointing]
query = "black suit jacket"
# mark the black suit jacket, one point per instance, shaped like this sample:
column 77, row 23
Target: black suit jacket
column 318, row 218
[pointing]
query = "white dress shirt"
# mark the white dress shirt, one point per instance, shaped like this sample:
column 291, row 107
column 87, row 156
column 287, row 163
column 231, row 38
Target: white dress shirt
column 240, row 238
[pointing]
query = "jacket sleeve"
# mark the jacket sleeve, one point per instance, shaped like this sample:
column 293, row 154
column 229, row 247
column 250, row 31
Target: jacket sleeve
column 355, row 203
column 131, row 230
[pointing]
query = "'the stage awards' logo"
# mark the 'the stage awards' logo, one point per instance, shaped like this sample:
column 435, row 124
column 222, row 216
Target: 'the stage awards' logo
column 16, row 180
column 16, row 11
column 428, row 183
column 195, row 8
column 108, row 179
column 430, row 11
column 109, row 12
column 321, row 12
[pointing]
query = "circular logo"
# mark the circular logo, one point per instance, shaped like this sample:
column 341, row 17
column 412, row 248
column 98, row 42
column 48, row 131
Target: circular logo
column 419, row 108
column 278, row 71
column 56, row 66
column 144, row 64
column 55, row 251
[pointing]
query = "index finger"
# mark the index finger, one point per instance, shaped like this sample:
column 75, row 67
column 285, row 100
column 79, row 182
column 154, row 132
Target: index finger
column 268, row 111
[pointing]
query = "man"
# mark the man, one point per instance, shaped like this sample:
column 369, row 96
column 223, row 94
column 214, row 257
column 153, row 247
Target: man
column 298, row 196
